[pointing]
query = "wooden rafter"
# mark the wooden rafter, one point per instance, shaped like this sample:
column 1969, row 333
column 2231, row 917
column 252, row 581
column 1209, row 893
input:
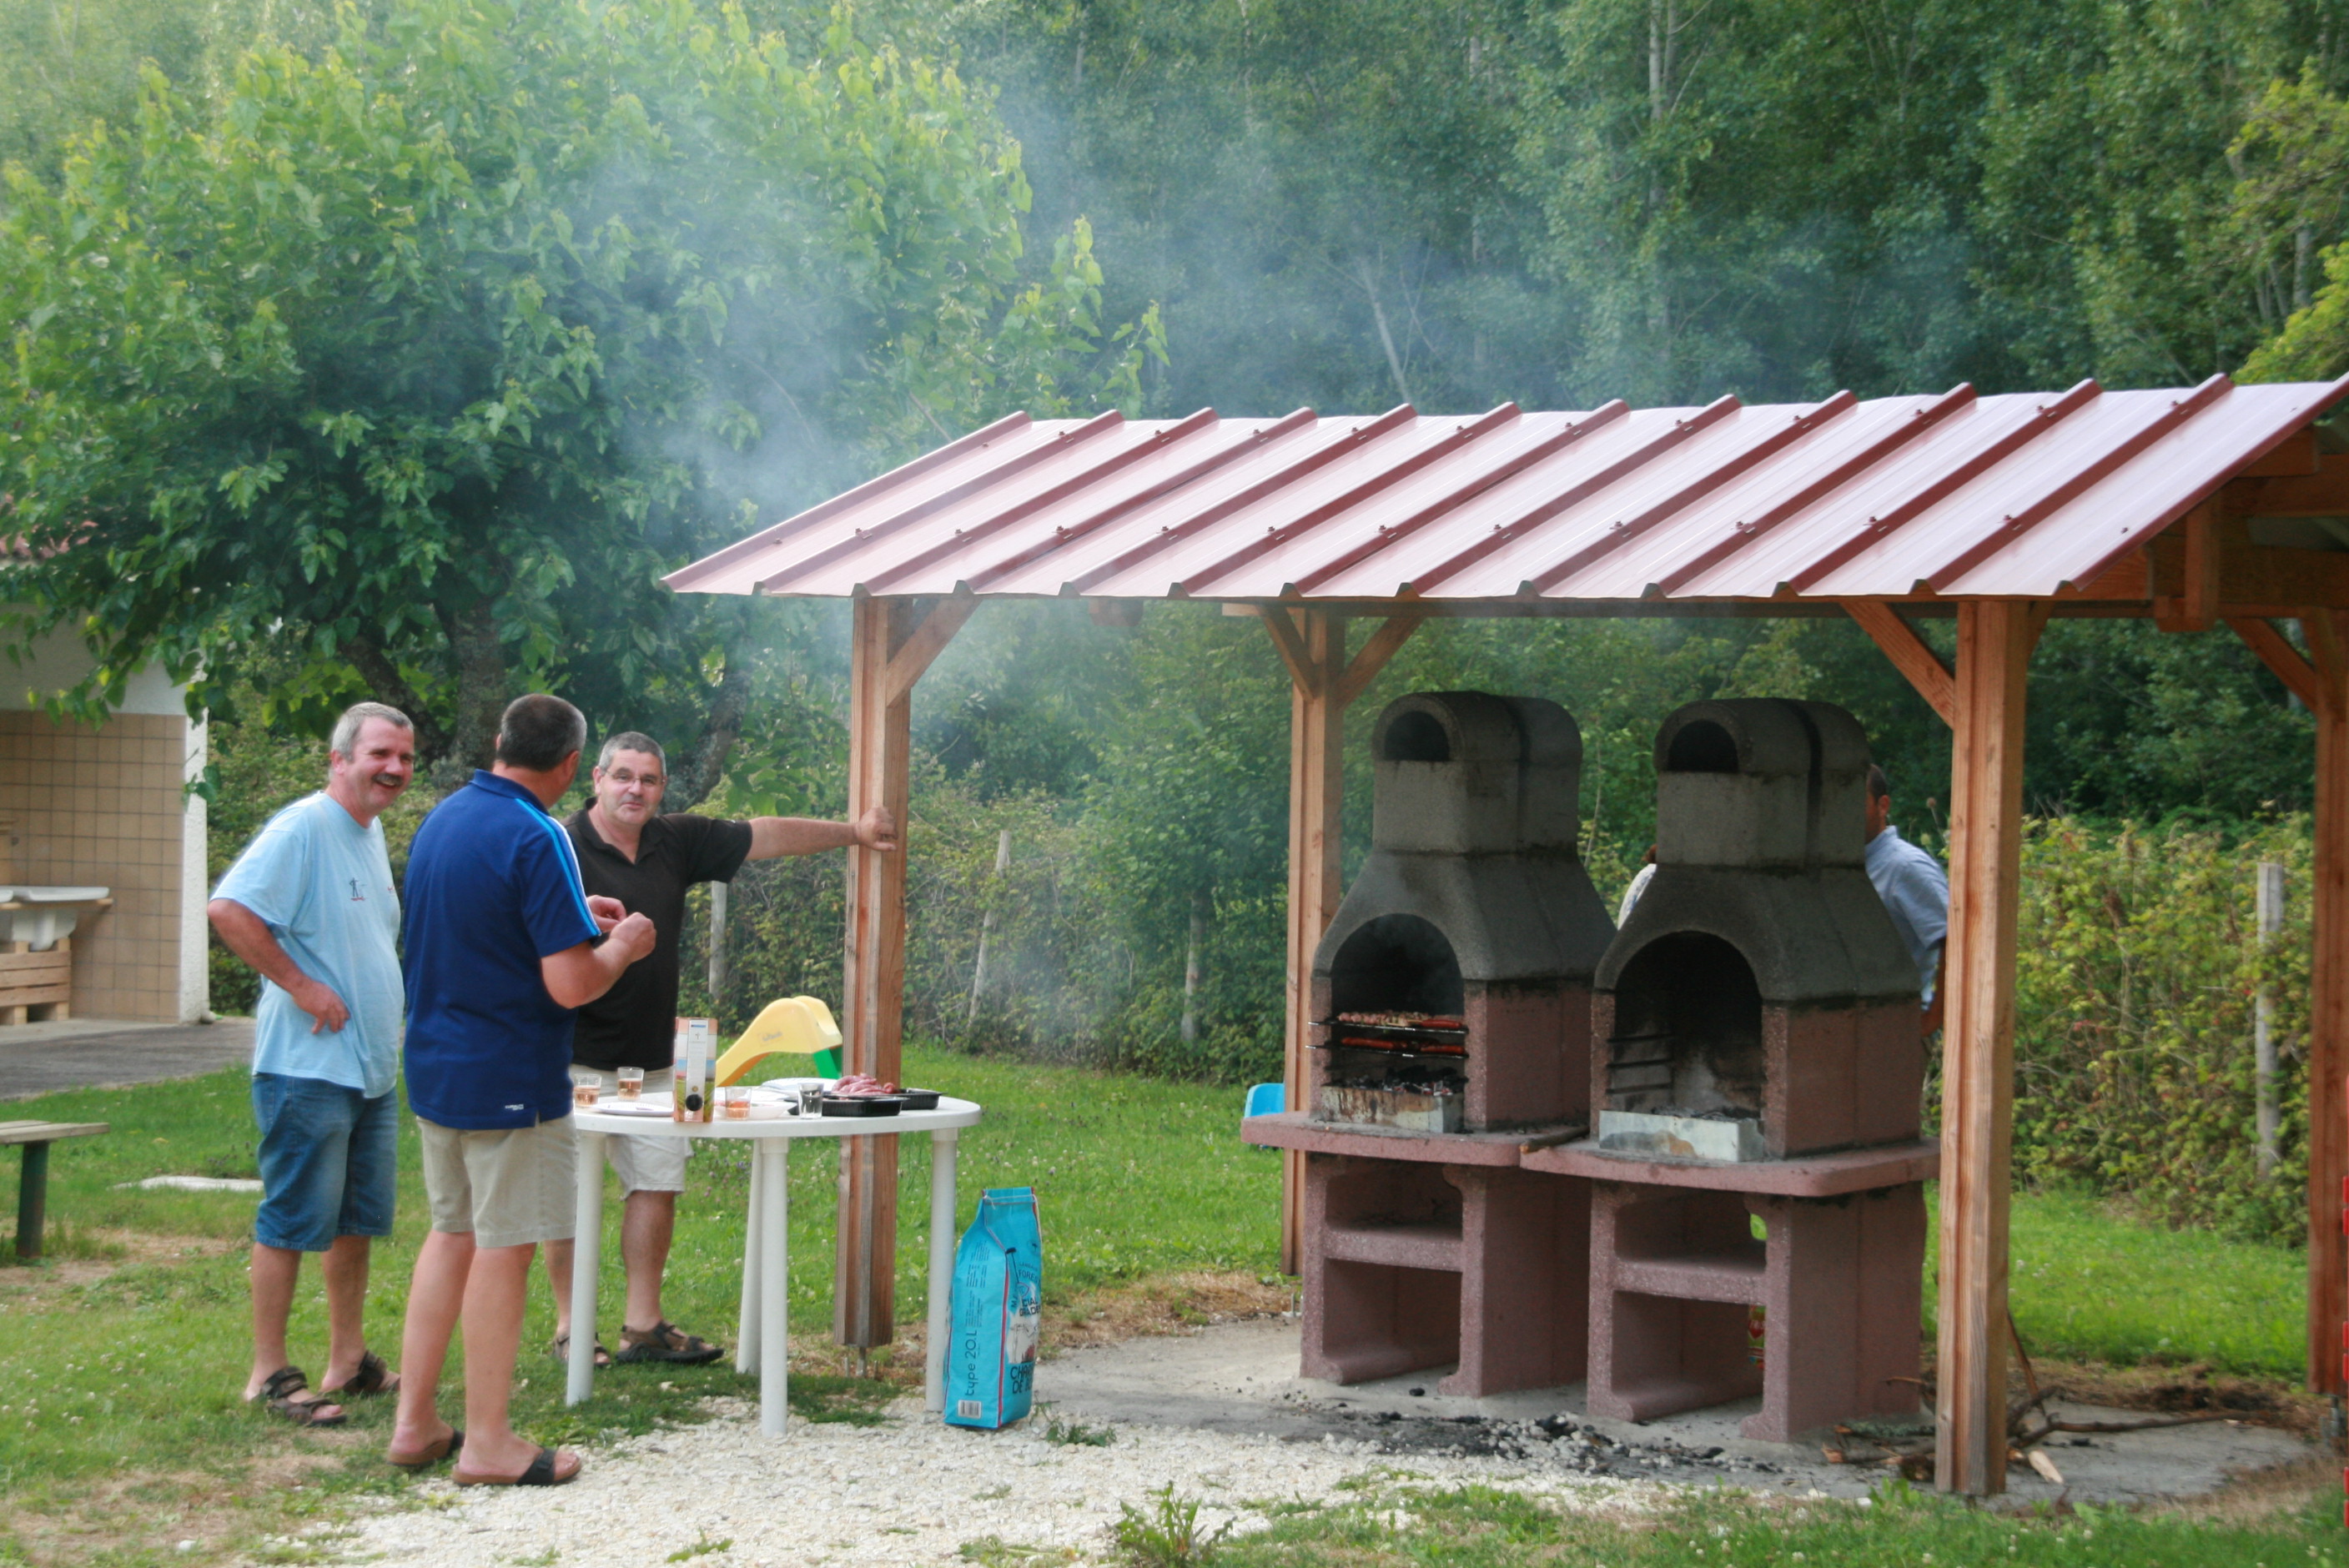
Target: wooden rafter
column 1910, row 655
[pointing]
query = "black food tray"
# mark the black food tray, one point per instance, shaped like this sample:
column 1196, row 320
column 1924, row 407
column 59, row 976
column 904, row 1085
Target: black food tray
column 863, row 1104
column 919, row 1098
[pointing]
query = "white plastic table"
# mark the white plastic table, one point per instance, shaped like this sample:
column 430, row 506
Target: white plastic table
column 762, row 1335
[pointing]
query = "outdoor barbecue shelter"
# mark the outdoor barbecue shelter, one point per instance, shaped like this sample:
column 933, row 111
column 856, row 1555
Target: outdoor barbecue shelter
column 2198, row 506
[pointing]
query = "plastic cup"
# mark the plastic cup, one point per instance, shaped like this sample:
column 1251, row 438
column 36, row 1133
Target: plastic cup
column 585, row 1095
column 632, row 1083
column 734, row 1103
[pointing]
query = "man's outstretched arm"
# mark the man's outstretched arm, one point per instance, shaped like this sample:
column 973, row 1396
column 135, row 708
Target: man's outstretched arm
column 772, row 837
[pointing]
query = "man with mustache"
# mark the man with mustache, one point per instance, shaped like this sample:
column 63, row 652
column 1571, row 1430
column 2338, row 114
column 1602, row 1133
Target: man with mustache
column 310, row 906
column 630, row 851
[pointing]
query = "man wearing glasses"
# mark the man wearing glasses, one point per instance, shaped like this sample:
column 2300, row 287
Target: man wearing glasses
column 630, row 851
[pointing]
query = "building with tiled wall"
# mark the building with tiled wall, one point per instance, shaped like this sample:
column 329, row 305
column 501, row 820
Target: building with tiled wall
column 108, row 806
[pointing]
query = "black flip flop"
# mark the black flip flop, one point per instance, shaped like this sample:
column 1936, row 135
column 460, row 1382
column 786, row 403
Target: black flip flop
column 541, row 1472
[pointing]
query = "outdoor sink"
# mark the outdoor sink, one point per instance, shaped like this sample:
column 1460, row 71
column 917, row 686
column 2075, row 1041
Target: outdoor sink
column 40, row 915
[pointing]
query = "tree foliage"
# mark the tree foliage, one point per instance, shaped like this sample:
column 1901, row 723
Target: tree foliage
column 429, row 354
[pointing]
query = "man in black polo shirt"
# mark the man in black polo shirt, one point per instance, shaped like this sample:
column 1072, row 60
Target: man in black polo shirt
column 630, row 851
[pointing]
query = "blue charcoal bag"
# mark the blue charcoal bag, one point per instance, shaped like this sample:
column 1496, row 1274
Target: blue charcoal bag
column 998, row 1298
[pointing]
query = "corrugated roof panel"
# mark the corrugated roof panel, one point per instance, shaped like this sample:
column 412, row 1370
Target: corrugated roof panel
column 2014, row 495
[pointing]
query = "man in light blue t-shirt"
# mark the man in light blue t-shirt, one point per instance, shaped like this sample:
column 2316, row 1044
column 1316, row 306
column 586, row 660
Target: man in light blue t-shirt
column 310, row 904
column 1915, row 891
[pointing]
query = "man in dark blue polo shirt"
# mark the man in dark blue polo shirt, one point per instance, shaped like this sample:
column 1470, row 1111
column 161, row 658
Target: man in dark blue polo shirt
column 503, row 944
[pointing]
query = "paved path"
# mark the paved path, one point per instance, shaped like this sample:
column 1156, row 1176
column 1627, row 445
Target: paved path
column 107, row 1053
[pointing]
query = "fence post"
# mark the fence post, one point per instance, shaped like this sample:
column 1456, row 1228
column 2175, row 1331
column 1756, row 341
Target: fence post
column 987, row 927
column 2263, row 1045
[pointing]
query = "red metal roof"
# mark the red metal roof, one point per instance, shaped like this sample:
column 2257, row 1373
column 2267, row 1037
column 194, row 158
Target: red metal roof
column 2022, row 494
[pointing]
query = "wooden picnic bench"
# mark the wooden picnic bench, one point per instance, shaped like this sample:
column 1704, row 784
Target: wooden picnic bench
column 33, row 1183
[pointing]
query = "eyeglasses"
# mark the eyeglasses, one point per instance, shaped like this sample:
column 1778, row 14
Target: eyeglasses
column 623, row 777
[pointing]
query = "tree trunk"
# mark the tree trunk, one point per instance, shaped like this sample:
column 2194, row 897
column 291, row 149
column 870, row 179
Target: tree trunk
column 689, row 785
column 482, row 693
column 385, row 684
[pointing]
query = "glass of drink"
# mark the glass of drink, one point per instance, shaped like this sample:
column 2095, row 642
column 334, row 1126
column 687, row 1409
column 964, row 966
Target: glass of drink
column 734, row 1103
column 632, row 1083
column 585, row 1095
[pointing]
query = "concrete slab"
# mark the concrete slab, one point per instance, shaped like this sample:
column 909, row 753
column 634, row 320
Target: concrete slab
column 1242, row 1377
column 102, row 1053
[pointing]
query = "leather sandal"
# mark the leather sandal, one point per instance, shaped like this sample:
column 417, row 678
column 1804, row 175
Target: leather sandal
column 665, row 1341
column 372, row 1378
column 540, row 1471
column 431, row 1454
column 562, row 1352
column 281, row 1396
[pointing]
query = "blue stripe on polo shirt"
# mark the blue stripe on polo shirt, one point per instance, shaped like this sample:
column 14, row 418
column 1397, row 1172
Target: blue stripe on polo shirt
column 492, row 888
column 570, row 859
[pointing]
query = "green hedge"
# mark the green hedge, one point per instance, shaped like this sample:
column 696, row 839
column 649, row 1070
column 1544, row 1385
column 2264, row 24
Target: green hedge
column 2138, row 967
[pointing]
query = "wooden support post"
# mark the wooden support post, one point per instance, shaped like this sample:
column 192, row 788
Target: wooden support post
column 1994, row 642
column 1317, row 786
column 892, row 641
column 2328, row 1024
column 1312, row 644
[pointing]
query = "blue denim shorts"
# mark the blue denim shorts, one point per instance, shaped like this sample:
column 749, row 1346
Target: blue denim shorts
column 329, row 1159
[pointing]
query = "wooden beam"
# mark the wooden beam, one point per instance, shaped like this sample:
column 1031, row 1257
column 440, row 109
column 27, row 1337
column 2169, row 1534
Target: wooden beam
column 1909, row 653
column 891, row 642
column 1317, row 782
column 2299, row 676
column 2323, row 492
column 1290, row 642
column 2192, row 603
column 2216, row 565
column 2328, row 1023
column 1994, row 642
column 925, row 643
column 2295, row 454
column 1372, row 657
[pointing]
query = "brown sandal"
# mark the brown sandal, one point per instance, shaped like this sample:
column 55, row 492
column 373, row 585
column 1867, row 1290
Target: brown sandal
column 280, row 1396
column 432, row 1453
column 665, row 1341
column 372, row 1378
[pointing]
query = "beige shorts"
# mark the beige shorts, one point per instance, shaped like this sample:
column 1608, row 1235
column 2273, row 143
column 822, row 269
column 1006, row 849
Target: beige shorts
column 508, row 1186
column 644, row 1165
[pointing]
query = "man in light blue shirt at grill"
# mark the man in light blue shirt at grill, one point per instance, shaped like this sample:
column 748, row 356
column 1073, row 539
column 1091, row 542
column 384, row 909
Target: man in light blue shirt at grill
column 1915, row 891
column 310, row 904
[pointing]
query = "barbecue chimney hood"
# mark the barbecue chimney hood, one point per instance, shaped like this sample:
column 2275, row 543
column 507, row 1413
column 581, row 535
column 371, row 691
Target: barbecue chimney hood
column 1473, row 908
column 1758, row 1003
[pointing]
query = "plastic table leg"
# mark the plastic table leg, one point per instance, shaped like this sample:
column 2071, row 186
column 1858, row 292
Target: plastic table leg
column 587, row 1260
column 941, row 1283
column 773, row 1174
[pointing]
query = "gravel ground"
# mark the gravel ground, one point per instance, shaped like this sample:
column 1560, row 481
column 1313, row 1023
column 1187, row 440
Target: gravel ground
column 912, row 1490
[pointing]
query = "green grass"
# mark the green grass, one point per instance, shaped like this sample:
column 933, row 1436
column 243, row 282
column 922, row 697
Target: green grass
column 1474, row 1526
column 126, row 1386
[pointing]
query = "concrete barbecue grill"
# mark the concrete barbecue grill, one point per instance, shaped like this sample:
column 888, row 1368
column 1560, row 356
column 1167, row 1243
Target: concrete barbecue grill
column 1451, row 999
column 1761, row 1059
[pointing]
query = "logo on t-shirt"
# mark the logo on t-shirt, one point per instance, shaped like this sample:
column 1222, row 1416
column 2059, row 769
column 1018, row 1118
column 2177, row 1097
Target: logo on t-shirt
column 357, row 895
